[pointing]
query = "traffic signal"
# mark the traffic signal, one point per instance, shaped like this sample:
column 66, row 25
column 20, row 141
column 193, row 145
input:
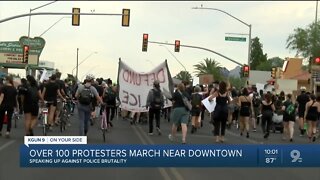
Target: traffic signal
column 145, row 42
column 273, row 73
column 125, row 17
column 316, row 61
column 75, row 16
column 245, row 71
column 25, row 54
column 177, row 46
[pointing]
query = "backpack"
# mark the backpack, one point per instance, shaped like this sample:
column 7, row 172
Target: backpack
column 196, row 100
column 290, row 109
column 256, row 100
column 156, row 102
column 109, row 96
column 86, row 95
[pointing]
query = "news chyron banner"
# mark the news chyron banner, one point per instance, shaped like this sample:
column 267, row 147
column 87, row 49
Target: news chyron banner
column 73, row 151
column 134, row 86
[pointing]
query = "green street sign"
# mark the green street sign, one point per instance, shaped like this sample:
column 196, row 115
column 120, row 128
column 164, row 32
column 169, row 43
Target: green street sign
column 228, row 38
column 33, row 43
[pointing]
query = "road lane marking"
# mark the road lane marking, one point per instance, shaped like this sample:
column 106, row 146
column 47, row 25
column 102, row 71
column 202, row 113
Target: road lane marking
column 6, row 145
column 174, row 171
column 246, row 139
column 162, row 171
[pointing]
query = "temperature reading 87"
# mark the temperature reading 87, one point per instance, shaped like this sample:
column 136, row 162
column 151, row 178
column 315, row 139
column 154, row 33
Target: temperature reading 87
column 270, row 160
column 295, row 155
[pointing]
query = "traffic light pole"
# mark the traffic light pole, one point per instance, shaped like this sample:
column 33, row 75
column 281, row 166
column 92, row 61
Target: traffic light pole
column 57, row 13
column 197, row 47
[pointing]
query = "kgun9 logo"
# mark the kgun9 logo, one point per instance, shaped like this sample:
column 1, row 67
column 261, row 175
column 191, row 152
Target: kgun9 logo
column 295, row 155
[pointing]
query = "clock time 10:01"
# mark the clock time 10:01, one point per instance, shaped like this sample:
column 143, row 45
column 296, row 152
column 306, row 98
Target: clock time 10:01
column 271, row 151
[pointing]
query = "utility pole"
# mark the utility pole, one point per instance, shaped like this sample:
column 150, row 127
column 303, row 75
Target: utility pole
column 77, row 64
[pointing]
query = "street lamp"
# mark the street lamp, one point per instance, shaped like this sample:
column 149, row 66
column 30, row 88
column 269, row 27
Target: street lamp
column 53, row 25
column 36, row 9
column 249, row 25
column 174, row 57
column 78, row 64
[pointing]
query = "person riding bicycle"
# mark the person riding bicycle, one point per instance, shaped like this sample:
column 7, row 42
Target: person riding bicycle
column 85, row 94
column 50, row 94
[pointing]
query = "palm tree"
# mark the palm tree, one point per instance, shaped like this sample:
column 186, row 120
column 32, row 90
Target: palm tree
column 209, row 66
column 184, row 76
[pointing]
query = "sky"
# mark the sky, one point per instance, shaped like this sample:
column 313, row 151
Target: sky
column 165, row 21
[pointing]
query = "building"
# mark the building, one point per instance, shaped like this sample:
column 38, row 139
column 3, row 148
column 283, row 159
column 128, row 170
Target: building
column 292, row 69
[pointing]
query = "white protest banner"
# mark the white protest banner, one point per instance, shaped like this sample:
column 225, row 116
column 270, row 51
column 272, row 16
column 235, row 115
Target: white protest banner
column 259, row 87
column 210, row 105
column 134, row 86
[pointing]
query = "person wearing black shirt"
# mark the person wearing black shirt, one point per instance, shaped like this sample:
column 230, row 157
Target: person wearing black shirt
column 50, row 93
column 220, row 115
column 302, row 100
column 8, row 101
column 62, row 89
column 31, row 95
column 21, row 88
column 289, row 118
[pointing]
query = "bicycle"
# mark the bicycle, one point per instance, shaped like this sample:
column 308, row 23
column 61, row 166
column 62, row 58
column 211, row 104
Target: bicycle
column 104, row 124
column 44, row 116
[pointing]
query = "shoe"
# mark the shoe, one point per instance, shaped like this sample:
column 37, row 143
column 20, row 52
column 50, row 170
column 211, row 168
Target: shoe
column 266, row 135
column 241, row 134
column 313, row 139
column 192, row 129
column 110, row 124
column 291, row 140
column 7, row 135
column 91, row 121
column 31, row 132
column 170, row 138
column 150, row 134
column 217, row 139
column 247, row 135
column 159, row 131
column 183, row 142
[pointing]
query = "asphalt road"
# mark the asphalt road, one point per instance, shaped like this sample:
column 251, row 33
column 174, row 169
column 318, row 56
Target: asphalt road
column 124, row 133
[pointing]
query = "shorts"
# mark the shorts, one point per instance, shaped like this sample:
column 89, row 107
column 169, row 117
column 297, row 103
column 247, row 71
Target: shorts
column 301, row 113
column 179, row 115
column 53, row 103
column 195, row 111
column 34, row 109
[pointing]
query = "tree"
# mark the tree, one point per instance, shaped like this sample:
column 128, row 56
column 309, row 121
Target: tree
column 305, row 42
column 257, row 57
column 209, row 66
column 237, row 82
column 264, row 66
column 276, row 62
column 184, row 76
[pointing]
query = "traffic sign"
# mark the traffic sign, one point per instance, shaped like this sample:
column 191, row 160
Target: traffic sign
column 228, row 38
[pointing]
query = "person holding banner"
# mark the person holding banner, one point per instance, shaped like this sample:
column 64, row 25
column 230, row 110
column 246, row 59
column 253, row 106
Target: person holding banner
column 180, row 114
column 220, row 115
column 155, row 102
